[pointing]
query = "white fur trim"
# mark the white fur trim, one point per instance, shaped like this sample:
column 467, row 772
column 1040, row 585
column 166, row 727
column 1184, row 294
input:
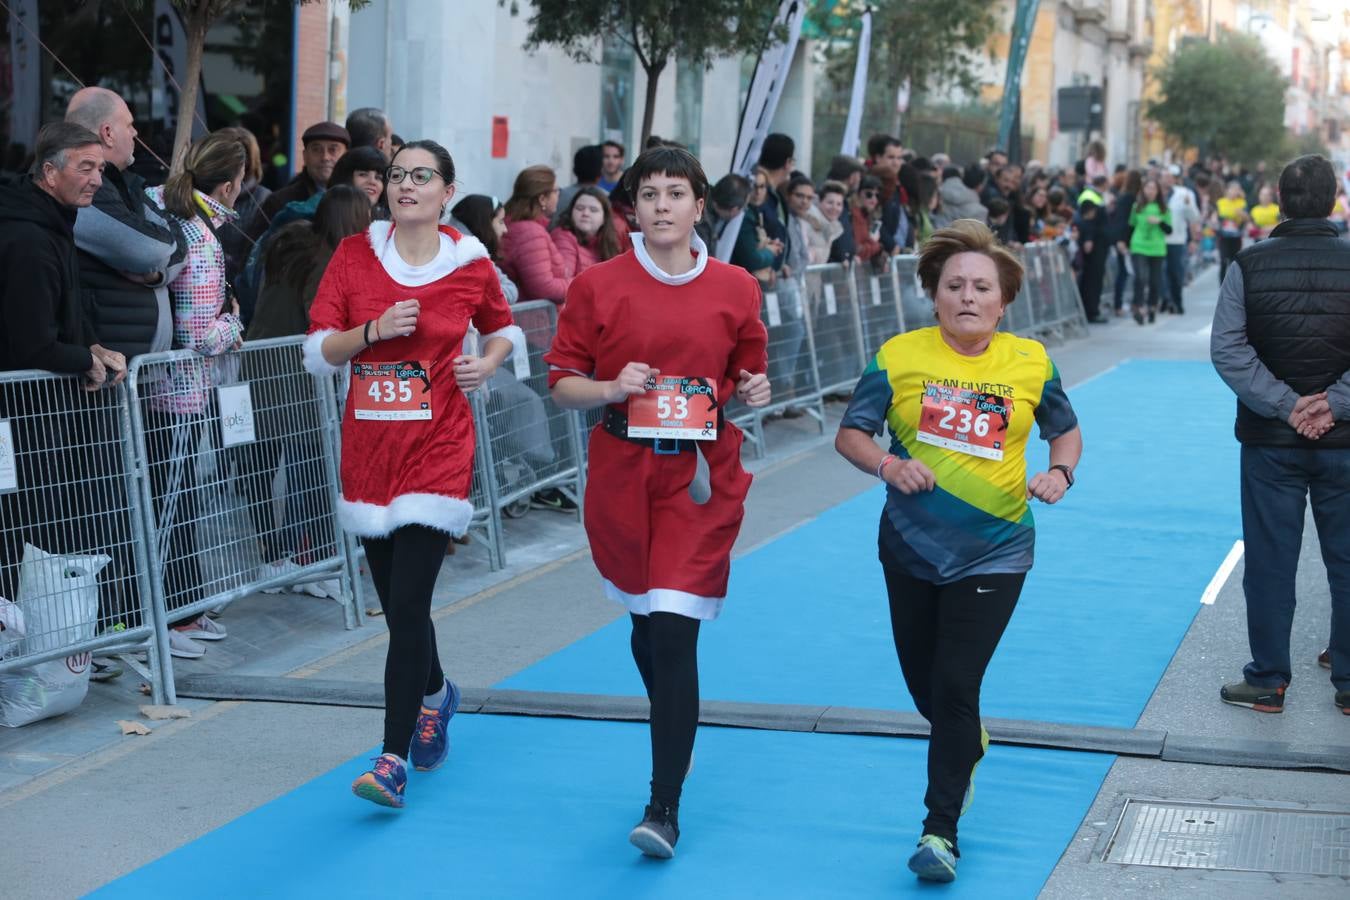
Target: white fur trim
column 456, row 250
column 645, row 260
column 666, row 600
column 512, row 333
column 312, row 354
column 448, row 514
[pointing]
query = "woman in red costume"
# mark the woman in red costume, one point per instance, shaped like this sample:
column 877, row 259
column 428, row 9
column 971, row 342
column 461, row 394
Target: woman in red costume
column 663, row 337
column 394, row 305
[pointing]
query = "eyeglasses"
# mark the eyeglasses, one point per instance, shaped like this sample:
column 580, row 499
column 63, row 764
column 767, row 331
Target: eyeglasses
column 761, row 186
column 869, row 195
column 419, row 175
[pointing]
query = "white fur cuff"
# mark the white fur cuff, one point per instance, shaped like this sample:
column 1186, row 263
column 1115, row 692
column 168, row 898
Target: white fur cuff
column 666, row 600
column 312, row 351
column 448, row 514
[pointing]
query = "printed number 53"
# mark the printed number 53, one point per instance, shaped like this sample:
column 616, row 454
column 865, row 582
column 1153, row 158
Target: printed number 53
column 389, row 391
column 967, row 421
column 666, row 410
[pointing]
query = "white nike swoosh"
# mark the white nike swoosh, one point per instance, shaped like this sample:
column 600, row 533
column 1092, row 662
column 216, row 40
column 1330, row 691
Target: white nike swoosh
column 980, row 590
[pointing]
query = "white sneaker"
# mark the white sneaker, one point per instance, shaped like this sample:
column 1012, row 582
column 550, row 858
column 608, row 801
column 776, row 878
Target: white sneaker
column 275, row 570
column 184, row 647
column 202, row 629
column 328, row 589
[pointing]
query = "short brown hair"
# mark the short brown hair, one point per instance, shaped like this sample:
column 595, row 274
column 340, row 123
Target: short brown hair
column 532, row 183
column 968, row 236
column 673, row 162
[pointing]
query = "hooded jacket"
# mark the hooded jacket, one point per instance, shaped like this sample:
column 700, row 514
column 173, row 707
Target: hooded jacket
column 121, row 232
column 960, row 202
column 42, row 318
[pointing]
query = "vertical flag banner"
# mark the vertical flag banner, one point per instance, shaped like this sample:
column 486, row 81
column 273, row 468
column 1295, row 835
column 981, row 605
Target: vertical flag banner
column 853, row 128
column 171, row 51
column 25, row 72
column 766, row 87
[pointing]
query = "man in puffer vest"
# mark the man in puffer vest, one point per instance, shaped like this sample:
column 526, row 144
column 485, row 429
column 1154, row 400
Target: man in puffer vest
column 1281, row 341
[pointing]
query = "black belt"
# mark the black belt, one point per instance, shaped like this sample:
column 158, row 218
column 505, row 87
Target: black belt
column 616, row 423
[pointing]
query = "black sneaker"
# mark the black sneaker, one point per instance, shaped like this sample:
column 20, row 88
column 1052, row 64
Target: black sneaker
column 657, row 833
column 553, row 499
column 1324, row 658
column 1259, row 699
column 1343, row 702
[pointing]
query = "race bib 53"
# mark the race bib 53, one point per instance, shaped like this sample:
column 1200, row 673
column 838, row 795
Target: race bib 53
column 675, row 407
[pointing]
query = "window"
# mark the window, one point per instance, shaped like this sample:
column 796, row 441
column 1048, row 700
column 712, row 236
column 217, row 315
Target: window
column 689, row 105
column 616, row 91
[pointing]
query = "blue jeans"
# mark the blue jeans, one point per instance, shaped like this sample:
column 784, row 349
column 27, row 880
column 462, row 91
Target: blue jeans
column 1176, row 274
column 1276, row 484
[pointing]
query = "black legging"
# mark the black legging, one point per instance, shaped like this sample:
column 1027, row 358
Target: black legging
column 404, row 567
column 945, row 636
column 665, row 648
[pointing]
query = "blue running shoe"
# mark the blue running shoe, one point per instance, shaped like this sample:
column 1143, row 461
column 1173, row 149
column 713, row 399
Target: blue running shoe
column 383, row 784
column 934, row 860
column 430, row 744
column 970, row 787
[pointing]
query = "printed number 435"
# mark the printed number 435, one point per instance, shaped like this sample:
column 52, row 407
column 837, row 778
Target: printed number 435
column 389, row 391
column 967, row 421
column 665, row 409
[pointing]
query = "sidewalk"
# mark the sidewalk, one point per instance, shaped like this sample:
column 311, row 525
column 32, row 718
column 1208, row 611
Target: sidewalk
column 123, row 802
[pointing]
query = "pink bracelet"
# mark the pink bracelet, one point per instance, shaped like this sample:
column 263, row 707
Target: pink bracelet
column 881, row 466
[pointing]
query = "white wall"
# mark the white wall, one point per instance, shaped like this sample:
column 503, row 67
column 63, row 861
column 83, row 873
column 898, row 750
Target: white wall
column 443, row 70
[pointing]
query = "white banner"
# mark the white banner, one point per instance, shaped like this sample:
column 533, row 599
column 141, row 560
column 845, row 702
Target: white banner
column 766, row 87
column 236, row 415
column 25, row 73
column 9, row 463
column 171, row 49
column 853, row 128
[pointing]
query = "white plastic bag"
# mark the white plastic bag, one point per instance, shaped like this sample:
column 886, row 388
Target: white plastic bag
column 59, row 599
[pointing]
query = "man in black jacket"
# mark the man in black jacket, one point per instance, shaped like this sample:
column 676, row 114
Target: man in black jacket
column 44, row 322
column 128, row 250
column 43, row 326
column 1281, row 340
column 324, row 144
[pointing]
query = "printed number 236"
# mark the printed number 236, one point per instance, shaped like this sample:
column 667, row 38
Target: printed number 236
column 389, row 391
column 968, row 421
column 664, row 409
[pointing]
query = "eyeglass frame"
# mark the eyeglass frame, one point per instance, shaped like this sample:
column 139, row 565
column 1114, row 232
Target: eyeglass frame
column 408, row 173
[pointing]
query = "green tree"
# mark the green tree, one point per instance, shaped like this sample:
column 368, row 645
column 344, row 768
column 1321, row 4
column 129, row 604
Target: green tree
column 1224, row 97
column 198, row 17
column 695, row 32
column 928, row 44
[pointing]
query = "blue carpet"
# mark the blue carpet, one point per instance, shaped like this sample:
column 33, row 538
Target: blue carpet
column 1120, row 567
column 542, row 807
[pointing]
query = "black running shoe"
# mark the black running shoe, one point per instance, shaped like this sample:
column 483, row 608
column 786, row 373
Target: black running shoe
column 1324, row 658
column 1343, row 702
column 553, row 499
column 1259, row 699
column 657, row 833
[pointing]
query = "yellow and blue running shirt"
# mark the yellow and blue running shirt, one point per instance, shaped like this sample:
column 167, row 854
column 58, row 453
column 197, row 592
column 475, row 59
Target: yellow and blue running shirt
column 968, row 419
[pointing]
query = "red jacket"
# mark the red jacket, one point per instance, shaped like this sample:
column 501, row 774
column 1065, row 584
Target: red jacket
column 531, row 260
column 577, row 256
column 868, row 246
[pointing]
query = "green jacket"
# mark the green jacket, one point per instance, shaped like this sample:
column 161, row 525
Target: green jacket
column 1148, row 239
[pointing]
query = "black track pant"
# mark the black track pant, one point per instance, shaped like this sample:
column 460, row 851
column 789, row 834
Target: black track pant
column 945, row 636
column 665, row 648
column 404, row 567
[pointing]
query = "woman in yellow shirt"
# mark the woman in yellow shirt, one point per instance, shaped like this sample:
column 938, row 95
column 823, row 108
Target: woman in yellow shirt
column 1265, row 214
column 1232, row 214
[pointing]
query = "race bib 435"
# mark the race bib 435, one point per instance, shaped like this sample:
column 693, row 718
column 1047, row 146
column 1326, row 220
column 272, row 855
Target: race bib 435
column 391, row 391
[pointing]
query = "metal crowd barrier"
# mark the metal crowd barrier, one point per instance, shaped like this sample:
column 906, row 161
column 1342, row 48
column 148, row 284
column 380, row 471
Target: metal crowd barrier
column 71, row 556
column 532, row 444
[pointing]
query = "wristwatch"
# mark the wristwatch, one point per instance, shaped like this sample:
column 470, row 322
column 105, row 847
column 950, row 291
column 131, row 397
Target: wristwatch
column 1068, row 474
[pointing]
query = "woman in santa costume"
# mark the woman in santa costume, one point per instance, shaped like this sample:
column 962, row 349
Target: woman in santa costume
column 663, row 337
column 394, row 305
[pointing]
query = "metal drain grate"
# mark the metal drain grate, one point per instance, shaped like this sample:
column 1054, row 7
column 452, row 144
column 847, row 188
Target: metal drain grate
column 1241, row 838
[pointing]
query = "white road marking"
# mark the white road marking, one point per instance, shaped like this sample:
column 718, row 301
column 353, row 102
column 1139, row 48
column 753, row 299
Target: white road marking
column 1075, row 386
column 1221, row 577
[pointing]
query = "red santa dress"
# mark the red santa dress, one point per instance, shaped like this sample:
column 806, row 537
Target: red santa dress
column 407, row 429
column 656, row 549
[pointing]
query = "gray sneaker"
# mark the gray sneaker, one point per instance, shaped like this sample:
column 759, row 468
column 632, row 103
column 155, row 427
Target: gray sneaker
column 184, row 647
column 657, row 833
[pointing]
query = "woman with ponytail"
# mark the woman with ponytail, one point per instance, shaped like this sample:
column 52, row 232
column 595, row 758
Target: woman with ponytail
column 199, row 202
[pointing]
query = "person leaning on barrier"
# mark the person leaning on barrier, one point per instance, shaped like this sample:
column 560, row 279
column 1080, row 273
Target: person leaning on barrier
column 528, row 254
column 957, row 534
column 407, row 428
column 662, row 513
column 129, row 252
column 1281, row 341
column 45, row 326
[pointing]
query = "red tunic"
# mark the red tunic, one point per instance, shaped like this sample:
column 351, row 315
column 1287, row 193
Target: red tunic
column 657, row 550
column 405, row 472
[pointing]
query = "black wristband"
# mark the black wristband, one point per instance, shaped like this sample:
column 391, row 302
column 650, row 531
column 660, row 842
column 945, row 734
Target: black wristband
column 1068, row 474
column 365, row 332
